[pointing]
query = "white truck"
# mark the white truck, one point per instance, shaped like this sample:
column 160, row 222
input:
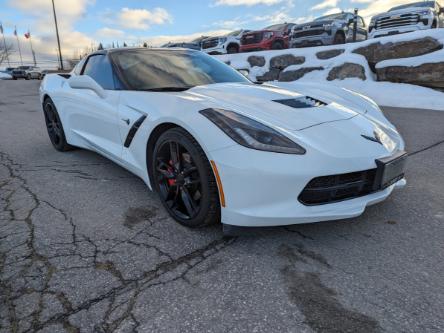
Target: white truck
column 229, row 43
column 407, row 18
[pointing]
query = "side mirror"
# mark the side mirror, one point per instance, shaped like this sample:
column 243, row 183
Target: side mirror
column 351, row 21
column 86, row 82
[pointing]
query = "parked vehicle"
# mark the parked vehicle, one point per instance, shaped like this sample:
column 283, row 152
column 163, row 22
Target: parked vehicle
column 185, row 45
column 229, row 43
column 8, row 70
column 328, row 30
column 27, row 73
column 407, row 18
column 217, row 147
column 274, row 37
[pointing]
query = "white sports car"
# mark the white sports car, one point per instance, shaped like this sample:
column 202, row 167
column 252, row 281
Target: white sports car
column 219, row 148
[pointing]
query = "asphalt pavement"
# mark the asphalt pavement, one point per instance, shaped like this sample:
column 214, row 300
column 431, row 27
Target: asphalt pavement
column 86, row 247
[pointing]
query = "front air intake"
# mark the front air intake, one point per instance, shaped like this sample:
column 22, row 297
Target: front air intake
column 301, row 102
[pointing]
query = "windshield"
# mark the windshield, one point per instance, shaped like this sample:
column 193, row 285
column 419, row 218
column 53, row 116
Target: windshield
column 415, row 4
column 338, row 16
column 276, row 27
column 159, row 69
column 234, row 33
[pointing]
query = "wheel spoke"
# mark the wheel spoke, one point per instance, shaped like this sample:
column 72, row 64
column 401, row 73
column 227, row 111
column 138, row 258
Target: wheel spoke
column 174, row 153
column 188, row 202
column 186, row 172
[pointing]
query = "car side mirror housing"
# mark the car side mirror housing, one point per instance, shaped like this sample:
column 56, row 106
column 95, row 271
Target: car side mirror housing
column 351, row 21
column 86, row 82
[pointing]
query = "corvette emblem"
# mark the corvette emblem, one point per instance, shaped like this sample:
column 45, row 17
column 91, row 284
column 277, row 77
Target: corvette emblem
column 395, row 17
column 371, row 138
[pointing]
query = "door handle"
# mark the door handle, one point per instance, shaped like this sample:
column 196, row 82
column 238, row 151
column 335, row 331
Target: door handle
column 126, row 120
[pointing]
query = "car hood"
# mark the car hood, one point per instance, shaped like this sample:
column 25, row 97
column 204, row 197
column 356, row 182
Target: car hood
column 316, row 23
column 268, row 104
column 408, row 10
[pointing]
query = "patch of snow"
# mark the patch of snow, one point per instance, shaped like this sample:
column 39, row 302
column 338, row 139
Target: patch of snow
column 4, row 76
column 390, row 94
column 430, row 58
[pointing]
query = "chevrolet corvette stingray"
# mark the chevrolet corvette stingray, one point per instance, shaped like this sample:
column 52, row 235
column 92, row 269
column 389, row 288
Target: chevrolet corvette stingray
column 217, row 147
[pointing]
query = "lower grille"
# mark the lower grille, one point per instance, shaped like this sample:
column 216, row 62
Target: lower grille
column 208, row 44
column 330, row 189
column 307, row 33
column 396, row 21
column 252, row 38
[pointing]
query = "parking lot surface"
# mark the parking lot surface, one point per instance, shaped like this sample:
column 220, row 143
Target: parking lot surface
column 85, row 247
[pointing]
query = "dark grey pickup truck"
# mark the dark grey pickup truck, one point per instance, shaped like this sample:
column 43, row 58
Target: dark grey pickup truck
column 328, row 30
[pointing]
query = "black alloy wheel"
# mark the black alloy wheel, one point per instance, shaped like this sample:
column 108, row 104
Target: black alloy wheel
column 232, row 49
column 339, row 39
column 54, row 126
column 184, row 180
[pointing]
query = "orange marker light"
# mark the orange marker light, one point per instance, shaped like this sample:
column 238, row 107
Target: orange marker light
column 219, row 183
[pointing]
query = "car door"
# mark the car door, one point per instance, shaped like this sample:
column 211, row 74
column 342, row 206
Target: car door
column 94, row 118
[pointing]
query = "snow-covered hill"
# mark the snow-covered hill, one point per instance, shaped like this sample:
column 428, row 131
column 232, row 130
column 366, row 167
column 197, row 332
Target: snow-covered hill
column 394, row 71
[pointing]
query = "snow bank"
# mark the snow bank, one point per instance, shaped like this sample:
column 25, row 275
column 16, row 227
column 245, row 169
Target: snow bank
column 4, row 76
column 384, row 93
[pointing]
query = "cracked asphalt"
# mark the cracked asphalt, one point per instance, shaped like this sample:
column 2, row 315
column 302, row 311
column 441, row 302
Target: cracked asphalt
column 85, row 247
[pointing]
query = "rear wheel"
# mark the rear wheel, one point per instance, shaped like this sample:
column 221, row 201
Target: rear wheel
column 339, row 38
column 434, row 25
column 184, row 180
column 54, row 126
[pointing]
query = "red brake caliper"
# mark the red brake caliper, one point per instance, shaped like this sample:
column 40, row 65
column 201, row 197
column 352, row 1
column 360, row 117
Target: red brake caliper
column 171, row 181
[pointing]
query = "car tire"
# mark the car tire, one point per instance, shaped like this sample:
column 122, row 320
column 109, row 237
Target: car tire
column 277, row 45
column 28, row 77
column 339, row 39
column 232, row 49
column 54, row 126
column 183, row 178
column 434, row 25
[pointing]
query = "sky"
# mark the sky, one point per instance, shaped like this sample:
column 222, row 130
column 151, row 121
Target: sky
column 85, row 23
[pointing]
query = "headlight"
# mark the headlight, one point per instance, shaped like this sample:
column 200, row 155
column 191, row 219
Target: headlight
column 250, row 133
column 327, row 26
column 424, row 13
column 385, row 139
column 222, row 40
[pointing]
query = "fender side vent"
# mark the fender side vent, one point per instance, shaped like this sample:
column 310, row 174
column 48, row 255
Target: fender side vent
column 132, row 132
column 301, row 102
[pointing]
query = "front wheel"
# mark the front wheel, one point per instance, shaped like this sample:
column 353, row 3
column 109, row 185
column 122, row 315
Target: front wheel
column 184, row 179
column 54, row 126
column 277, row 46
column 339, row 39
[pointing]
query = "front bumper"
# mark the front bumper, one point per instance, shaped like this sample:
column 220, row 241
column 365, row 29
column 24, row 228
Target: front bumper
column 262, row 188
column 318, row 40
column 219, row 49
column 398, row 30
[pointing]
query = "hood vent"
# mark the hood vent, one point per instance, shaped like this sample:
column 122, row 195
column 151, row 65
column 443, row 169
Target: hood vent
column 301, row 102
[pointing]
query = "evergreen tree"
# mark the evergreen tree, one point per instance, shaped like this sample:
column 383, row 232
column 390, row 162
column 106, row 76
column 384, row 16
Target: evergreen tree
column 100, row 47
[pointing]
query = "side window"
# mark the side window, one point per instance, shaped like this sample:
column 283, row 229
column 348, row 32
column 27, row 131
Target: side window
column 99, row 68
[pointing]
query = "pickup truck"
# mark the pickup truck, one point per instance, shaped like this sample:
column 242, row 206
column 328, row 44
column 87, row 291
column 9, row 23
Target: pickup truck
column 229, row 43
column 274, row 37
column 328, row 30
column 407, row 18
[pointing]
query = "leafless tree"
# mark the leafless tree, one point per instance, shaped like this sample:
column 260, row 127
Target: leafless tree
column 5, row 51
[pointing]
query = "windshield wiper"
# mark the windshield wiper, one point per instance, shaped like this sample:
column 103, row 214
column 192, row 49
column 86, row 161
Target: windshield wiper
column 160, row 89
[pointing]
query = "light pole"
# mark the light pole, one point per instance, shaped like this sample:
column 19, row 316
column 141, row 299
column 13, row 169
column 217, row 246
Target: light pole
column 57, row 33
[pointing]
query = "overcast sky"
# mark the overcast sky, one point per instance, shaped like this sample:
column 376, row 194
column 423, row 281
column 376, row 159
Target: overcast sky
column 83, row 23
